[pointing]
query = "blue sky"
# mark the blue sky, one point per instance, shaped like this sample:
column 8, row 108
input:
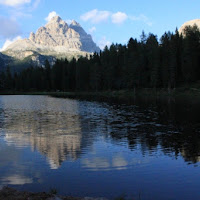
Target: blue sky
column 108, row 21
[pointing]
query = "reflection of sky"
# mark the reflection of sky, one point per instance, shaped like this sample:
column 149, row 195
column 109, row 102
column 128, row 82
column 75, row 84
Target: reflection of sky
column 86, row 144
column 107, row 158
column 15, row 166
column 7, row 154
column 98, row 163
column 16, row 180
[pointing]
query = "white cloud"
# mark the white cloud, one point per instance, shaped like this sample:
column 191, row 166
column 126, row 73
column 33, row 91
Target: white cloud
column 96, row 16
column 20, row 8
column 8, row 42
column 9, row 28
column 92, row 29
column 119, row 17
column 142, row 18
column 103, row 42
column 14, row 2
column 51, row 15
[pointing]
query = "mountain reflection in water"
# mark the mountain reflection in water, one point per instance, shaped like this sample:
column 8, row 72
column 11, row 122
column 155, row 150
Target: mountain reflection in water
column 82, row 136
column 61, row 131
column 56, row 133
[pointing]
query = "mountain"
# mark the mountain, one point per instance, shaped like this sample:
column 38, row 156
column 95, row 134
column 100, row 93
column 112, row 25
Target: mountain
column 56, row 39
column 189, row 23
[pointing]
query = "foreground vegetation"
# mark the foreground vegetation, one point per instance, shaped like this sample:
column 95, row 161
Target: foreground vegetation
column 145, row 65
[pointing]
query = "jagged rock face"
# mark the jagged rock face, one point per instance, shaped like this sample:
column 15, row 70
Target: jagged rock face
column 189, row 23
column 57, row 33
column 55, row 38
column 85, row 38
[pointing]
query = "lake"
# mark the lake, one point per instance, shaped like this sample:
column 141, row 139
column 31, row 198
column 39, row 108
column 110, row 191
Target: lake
column 145, row 150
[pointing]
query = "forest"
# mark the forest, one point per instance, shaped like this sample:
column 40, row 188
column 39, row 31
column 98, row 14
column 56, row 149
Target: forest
column 170, row 62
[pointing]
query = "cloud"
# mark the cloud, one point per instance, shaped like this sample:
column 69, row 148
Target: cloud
column 9, row 28
column 35, row 4
column 119, row 17
column 142, row 18
column 20, row 8
column 8, row 42
column 103, row 42
column 92, row 29
column 96, row 16
column 14, row 3
column 51, row 15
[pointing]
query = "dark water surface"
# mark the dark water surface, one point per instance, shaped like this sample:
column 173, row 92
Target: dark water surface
column 149, row 150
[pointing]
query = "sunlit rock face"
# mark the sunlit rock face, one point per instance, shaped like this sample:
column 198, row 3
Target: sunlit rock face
column 56, row 38
column 189, row 23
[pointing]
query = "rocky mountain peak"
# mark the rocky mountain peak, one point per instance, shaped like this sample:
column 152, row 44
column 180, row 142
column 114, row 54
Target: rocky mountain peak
column 189, row 23
column 57, row 39
column 74, row 23
column 56, row 24
column 55, row 19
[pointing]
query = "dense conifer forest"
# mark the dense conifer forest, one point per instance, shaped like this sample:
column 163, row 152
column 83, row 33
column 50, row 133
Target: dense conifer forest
column 168, row 63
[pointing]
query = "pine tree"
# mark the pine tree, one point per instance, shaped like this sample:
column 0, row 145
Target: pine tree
column 47, row 75
column 191, row 53
column 153, row 60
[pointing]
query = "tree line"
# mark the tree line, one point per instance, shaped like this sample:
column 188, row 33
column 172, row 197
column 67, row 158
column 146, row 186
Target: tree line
column 146, row 63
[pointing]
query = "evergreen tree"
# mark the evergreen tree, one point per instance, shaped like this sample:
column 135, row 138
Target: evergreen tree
column 72, row 74
column 191, row 53
column 8, row 79
column 2, row 81
column 153, row 60
column 95, row 72
column 132, row 74
column 48, row 75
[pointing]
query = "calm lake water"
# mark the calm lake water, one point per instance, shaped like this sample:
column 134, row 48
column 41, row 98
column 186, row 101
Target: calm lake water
column 149, row 150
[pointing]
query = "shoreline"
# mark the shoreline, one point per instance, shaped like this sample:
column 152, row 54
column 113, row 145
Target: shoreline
column 190, row 92
column 8, row 193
